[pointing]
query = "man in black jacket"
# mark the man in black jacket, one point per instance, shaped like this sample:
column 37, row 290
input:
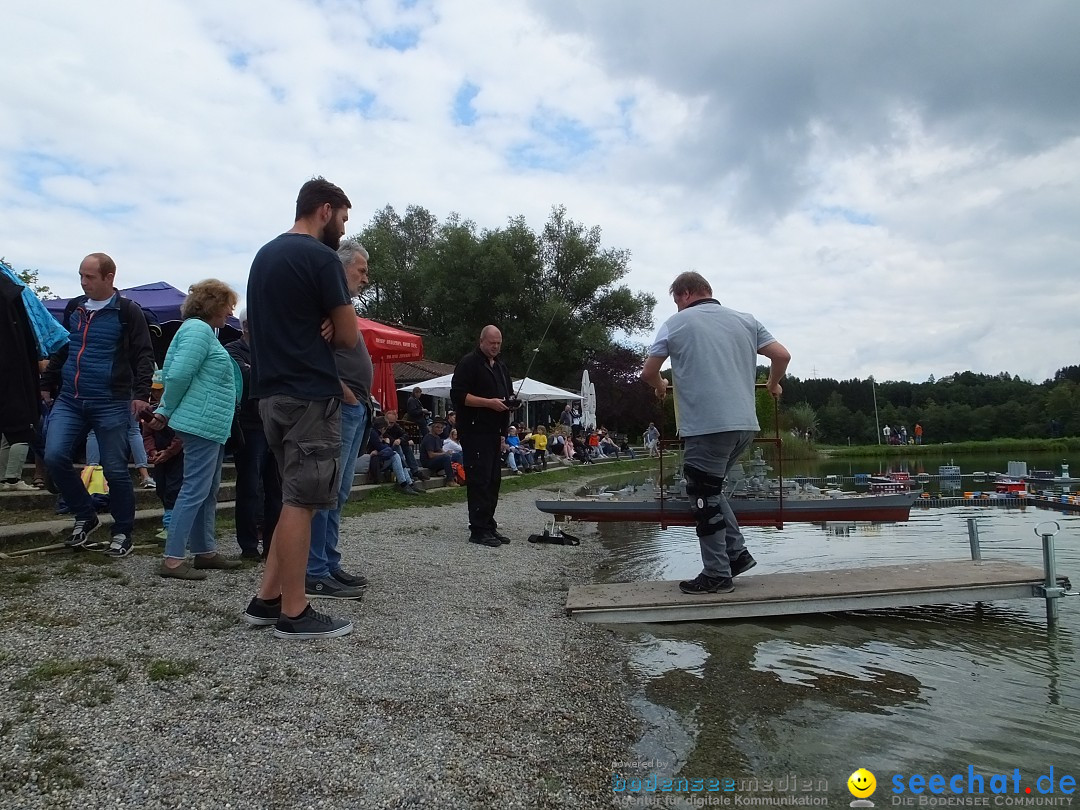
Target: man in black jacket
column 481, row 392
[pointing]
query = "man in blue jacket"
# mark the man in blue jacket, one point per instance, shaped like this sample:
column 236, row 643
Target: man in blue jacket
column 98, row 380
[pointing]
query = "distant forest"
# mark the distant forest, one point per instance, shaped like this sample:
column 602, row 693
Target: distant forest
column 961, row 407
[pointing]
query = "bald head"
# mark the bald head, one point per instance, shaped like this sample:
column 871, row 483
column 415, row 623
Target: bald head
column 490, row 341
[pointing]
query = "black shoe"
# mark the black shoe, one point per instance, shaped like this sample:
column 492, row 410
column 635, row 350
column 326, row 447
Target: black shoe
column 260, row 613
column 330, row 588
column 349, row 580
column 81, row 531
column 744, row 562
column 311, row 624
column 120, row 546
column 409, row 489
column 423, row 475
column 251, row 554
column 485, row 539
column 706, row 584
column 502, row 538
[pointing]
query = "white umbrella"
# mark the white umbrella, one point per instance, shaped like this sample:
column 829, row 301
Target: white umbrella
column 435, row 387
column 530, row 390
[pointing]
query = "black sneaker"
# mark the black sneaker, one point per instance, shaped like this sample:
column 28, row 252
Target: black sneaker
column 744, row 562
column 120, row 546
column 349, row 580
column 330, row 588
column 409, row 489
column 81, row 531
column 502, row 538
column 311, row 624
column 261, row 613
column 706, row 584
column 485, row 539
column 423, row 475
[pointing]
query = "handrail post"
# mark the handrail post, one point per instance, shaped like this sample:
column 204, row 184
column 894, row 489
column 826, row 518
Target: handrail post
column 973, row 539
column 1050, row 587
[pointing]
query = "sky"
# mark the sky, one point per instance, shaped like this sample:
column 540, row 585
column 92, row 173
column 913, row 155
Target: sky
column 892, row 189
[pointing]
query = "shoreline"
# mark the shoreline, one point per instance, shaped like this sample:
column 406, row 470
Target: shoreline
column 463, row 683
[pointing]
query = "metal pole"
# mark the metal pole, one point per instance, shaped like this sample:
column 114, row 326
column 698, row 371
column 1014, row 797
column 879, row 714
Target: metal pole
column 1050, row 570
column 973, row 539
column 877, row 423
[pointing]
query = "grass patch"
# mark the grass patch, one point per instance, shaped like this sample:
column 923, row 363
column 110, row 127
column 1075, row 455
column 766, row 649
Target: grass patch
column 87, row 681
column 164, row 669
column 992, row 447
column 16, row 615
column 48, row 764
column 218, row 618
column 17, row 578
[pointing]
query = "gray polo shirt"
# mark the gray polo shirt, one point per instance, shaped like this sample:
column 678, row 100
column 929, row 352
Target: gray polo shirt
column 713, row 353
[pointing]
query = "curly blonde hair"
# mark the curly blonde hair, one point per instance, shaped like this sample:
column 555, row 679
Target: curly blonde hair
column 208, row 298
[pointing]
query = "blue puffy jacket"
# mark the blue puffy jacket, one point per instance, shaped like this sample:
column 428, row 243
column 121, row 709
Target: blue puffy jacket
column 202, row 383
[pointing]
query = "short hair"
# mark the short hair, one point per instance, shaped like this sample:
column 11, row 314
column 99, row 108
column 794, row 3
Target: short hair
column 349, row 251
column 418, row 390
column 690, row 282
column 106, row 266
column 242, row 316
column 317, row 192
column 208, row 298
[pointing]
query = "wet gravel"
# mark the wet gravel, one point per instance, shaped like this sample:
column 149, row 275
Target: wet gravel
column 463, row 683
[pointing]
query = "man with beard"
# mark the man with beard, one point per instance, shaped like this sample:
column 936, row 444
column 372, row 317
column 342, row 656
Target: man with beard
column 481, row 392
column 299, row 312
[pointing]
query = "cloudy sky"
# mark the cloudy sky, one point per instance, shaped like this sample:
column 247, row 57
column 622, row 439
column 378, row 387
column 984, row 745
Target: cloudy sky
column 892, row 188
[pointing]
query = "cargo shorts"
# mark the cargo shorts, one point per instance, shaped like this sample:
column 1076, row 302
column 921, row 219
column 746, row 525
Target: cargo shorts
column 305, row 438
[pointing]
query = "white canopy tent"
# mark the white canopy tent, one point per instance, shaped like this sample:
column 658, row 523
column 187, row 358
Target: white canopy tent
column 527, row 390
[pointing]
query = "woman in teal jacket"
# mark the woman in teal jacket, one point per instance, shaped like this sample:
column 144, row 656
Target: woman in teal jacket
column 202, row 388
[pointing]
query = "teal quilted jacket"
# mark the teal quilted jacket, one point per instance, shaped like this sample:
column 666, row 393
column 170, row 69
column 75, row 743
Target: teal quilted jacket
column 202, row 383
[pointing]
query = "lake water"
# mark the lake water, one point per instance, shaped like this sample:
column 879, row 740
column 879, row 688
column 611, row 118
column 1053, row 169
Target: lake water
column 798, row 704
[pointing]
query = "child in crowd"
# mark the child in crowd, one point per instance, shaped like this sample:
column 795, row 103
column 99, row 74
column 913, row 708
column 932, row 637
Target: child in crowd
column 540, row 445
column 166, row 452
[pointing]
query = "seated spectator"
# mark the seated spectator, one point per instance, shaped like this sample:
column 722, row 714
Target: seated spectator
column 558, row 445
column 509, row 457
column 540, row 444
column 432, row 456
column 452, row 446
column 524, row 456
column 624, row 446
column 607, row 445
column 384, row 458
column 592, row 442
column 401, row 442
column 451, row 424
column 581, row 450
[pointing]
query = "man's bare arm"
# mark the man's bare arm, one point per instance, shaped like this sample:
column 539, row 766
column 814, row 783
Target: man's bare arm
column 779, row 357
column 651, row 376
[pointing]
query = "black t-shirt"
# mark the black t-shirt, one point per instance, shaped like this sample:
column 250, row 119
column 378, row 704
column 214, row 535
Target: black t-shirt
column 428, row 445
column 294, row 284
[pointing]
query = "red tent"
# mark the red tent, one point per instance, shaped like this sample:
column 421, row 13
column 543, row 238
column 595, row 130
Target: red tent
column 387, row 346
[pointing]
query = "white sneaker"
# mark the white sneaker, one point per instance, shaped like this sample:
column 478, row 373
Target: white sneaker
column 22, row 486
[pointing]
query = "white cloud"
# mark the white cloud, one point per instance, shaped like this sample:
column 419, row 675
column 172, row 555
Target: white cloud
column 885, row 200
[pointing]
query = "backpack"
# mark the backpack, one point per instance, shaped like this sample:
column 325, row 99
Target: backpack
column 459, row 471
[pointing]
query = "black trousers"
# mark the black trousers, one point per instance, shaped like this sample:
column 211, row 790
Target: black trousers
column 483, row 477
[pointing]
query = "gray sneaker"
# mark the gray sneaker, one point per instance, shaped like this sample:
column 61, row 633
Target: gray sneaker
column 311, row 624
column 120, row 546
column 80, row 533
column 330, row 588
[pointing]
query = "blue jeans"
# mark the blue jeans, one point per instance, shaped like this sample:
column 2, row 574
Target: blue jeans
column 323, row 555
column 135, row 442
column 255, row 463
column 69, row 422
column 195, row 510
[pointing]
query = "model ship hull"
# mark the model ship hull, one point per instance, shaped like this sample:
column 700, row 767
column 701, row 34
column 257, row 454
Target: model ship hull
column 748, row 511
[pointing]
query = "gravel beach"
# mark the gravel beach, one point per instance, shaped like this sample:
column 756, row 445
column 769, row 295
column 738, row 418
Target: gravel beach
column 463, row 683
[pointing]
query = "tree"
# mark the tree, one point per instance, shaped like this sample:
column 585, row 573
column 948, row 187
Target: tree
column 30, row 279
column 555, row 295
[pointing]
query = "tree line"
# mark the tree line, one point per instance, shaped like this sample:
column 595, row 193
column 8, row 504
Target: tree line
column 964, row 406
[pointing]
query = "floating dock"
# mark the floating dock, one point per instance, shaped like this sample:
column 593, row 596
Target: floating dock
column 792, row 594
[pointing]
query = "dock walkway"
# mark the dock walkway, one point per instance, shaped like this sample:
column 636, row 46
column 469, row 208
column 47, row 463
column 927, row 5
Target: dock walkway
column 888, row 586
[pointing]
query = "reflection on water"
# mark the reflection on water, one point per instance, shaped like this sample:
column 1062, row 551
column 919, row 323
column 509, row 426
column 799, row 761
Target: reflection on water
column 927, row 690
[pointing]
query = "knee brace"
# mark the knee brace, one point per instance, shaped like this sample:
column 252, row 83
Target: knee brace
column 705, row 491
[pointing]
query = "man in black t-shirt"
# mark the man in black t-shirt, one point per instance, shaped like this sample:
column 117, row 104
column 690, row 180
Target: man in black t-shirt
column 299, row 312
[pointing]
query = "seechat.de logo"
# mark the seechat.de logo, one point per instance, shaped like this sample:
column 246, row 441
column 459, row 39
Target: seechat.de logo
column 862, row 785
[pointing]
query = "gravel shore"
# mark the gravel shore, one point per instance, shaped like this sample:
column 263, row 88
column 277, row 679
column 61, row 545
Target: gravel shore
column 463, row 683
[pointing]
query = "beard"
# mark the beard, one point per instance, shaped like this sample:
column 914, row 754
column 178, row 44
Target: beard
column 331, row 236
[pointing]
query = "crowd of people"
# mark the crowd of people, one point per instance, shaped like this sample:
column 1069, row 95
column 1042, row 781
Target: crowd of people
column 290, row 399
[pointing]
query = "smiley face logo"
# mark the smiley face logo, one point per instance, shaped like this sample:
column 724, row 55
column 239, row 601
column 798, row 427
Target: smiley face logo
column 861, row 783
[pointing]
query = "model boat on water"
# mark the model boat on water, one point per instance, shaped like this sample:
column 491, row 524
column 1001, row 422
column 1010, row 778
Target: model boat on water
column 755, row 499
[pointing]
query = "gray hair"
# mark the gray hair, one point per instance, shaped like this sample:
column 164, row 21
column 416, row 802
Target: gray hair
column 242, row 316
column 349, row 251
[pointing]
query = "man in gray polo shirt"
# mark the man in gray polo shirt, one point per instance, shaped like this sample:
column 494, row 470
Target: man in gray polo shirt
column 713, row 353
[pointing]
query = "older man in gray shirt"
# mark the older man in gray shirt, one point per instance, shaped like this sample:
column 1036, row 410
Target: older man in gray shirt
column 713, row 353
